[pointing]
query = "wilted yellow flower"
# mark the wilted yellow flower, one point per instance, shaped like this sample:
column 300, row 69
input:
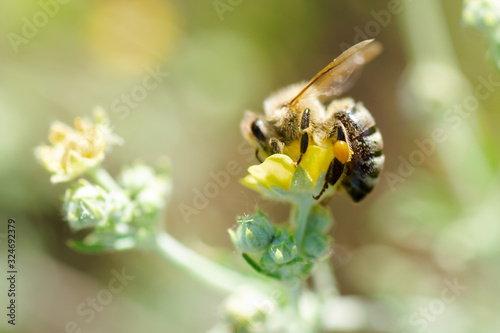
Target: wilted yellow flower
column 279, row 177
column 75, row 150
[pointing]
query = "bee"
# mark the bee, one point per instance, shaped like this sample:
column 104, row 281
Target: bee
column 296, row 117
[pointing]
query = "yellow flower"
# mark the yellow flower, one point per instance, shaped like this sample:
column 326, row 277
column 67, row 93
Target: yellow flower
column 279, row 177
column 75, row 150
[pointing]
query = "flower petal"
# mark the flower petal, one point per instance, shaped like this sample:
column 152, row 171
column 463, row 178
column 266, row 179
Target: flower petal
column 59, row 132
column 316, row 161
column 73, row 151
column 275, row 171
column 293, row 150
column 252, row 183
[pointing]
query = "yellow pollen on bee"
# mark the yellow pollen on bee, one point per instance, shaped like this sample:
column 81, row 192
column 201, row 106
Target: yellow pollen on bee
column 342, row 151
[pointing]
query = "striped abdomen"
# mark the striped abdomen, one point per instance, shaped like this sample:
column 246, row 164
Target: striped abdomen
column 365, row 140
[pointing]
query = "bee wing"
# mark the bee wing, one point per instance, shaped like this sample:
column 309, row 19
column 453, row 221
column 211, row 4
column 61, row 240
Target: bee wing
column 335, row 78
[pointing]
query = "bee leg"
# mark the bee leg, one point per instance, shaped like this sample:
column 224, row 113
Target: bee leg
column 335, row 171
column 304, row 143
column 342, row 154
column 257, row 155
column 304, row 140
column 276, row 145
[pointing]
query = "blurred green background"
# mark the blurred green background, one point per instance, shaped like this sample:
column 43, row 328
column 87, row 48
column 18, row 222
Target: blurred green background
column 441, row 222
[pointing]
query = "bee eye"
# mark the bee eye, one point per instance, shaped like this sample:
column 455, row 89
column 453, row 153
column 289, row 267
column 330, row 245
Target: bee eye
column 257, row 132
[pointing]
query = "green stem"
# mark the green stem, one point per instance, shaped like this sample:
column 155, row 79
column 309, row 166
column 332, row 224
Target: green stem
column 204, row 269
column 324, row 280
column 325, row 287
column 104, row 179
column 301, row 213
column 302, row 322
column 169, row 248
column 294, row 289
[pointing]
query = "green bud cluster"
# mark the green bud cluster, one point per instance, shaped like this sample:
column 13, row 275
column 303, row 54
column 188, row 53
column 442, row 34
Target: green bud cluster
column 121, row 218
column 85, row 205
column 282, row 249
column 281, row 260
column 253, row 234
column 149, row 190
column 273, row 251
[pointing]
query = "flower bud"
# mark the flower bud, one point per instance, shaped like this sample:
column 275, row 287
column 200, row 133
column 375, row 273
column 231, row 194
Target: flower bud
column 283, row 249
column 136, row 177
column 297, row 268
column 267, row 264
column 150, row 190
column 253, row 234
column 85, row 205
column 153, row 197
column 120, row 208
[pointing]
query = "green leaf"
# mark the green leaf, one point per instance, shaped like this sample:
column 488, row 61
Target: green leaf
column 301, row 181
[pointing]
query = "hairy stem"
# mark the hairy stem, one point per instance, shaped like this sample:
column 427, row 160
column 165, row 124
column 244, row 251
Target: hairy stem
column 324, row 280
column 300, row 215
column 216, row 275
column 104, row 179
